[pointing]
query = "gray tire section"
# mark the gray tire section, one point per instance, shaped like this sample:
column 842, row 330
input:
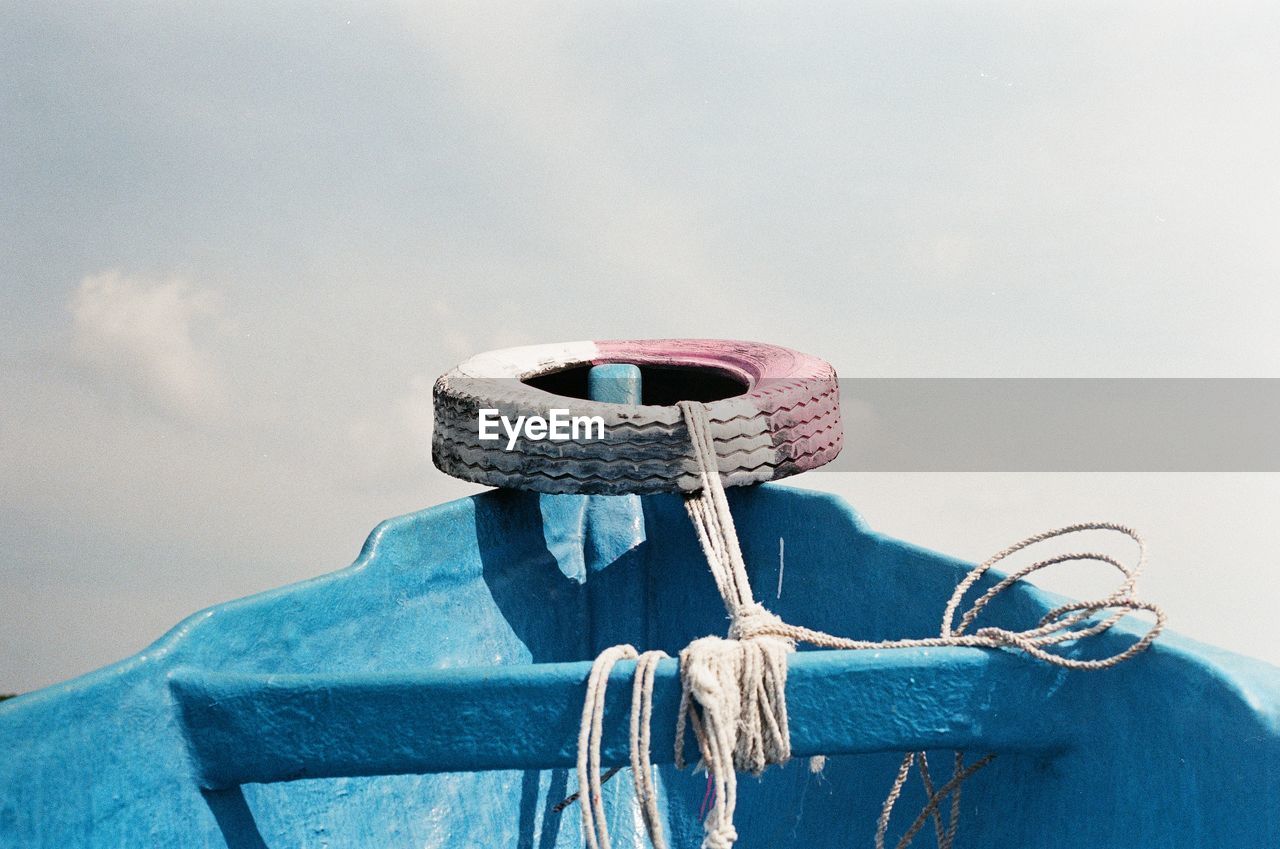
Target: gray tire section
column 781, row 425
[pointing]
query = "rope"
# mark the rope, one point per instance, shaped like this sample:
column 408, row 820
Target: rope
column 595, row 829
column 641, row 768
column 734, row 690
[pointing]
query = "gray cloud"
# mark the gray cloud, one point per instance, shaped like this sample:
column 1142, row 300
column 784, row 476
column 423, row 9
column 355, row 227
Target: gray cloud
column 143, row 334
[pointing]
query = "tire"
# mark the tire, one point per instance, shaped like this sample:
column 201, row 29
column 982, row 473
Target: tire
column 785, row 420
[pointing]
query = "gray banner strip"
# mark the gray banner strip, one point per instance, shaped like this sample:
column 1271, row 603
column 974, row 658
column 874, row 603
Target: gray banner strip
column 1060, row 425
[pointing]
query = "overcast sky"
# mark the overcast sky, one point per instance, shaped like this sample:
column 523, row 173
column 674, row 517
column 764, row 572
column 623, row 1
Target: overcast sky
column 238, row 242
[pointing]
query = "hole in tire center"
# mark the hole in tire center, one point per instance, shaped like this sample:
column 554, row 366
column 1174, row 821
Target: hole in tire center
column 659, row 385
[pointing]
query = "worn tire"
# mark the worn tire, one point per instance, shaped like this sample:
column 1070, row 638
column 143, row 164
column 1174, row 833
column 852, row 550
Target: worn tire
column 786, row 420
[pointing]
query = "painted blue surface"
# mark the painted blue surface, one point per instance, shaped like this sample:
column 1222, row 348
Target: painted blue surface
column 614, row 383
column 1178, row 748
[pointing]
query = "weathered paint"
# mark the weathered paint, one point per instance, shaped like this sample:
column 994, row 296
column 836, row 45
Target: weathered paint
column 243, row 728
column 1178, row 748
column 614, row 383
column 784, row 420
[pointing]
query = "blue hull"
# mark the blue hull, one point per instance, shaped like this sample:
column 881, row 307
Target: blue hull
column 342, row 711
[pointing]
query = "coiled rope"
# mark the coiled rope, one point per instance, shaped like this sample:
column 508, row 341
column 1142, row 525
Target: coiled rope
column 734, row 689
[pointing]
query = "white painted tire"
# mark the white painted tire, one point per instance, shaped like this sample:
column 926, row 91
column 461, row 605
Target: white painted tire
column 785, row 420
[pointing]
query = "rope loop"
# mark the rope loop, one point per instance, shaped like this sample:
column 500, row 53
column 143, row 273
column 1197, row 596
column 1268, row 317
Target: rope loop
column 733, row 690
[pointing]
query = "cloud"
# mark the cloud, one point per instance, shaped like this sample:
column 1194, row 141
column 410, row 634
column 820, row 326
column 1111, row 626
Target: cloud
column 143, row 335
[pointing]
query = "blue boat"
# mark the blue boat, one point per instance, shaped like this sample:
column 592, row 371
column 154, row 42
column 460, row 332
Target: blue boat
column 431, row 694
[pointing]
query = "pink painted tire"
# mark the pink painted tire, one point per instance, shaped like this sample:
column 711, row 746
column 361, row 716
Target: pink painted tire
column 774, row 412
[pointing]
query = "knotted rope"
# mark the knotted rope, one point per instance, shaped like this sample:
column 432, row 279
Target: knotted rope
column 734, row 690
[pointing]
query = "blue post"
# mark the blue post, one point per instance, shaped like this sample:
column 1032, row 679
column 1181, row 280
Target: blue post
column 615, row 383
column 612, row 526
column 588, row 534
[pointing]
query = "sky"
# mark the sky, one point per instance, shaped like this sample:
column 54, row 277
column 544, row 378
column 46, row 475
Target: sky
column 239, row 241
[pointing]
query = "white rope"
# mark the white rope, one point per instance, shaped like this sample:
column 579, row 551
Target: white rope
column 641, row 768
column 733, row 694
column 733, row 691
column 595, row 829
